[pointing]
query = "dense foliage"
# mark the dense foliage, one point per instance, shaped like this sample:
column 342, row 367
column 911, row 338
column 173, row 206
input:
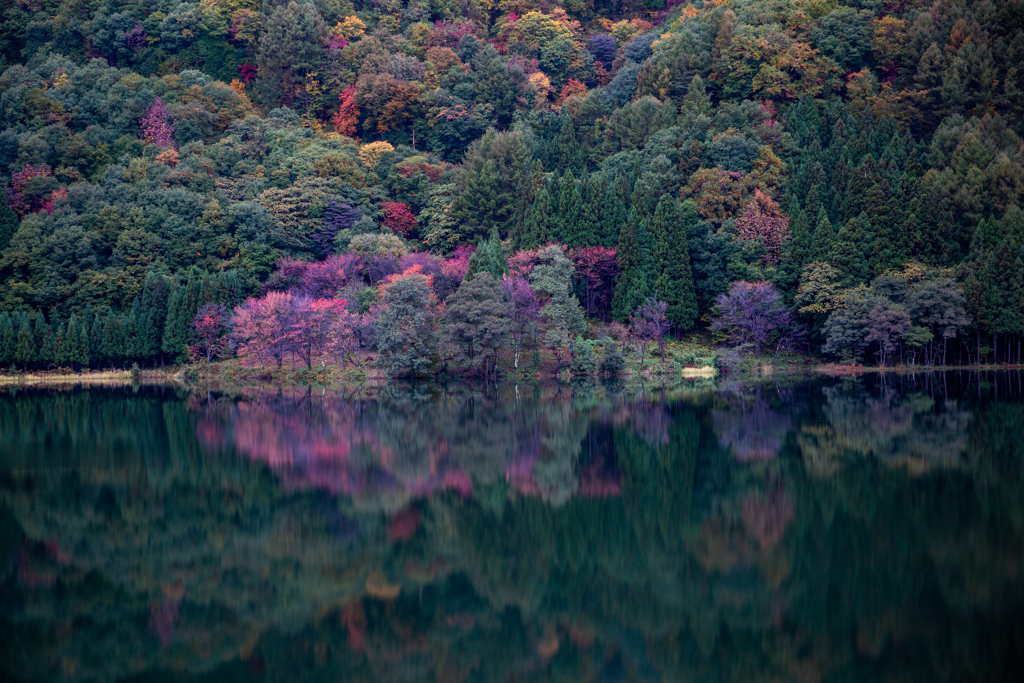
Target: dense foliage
column 162, row 157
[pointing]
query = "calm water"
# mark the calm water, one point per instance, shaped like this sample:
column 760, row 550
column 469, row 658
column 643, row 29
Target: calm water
column 845, row 530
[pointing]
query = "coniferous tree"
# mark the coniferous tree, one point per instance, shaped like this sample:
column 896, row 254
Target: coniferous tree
column 613, row 216
column 490, row 258
column 632, row 254
column 152, row 315
column 8, row 222
column 96, row 354
column 566, row 155
column 538, row 225
column 113, row 338
column 570, row 212
column 851, row 250
column 77, row 343
column 43, row 334
column 8, row 339
column 25, row 350
column 670, row 260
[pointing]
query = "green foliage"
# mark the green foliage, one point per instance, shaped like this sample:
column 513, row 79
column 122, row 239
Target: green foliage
column 407, row 338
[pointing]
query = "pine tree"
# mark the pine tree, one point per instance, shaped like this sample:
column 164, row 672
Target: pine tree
column 77, row 343
column 113, row 338
column 60, row 345
column 570, row 212
column 537, row 227
column 25, row 351
column 152, row 315
column 670, row 260
column 613, row 217
column 490, row 258
column 43, row 334
column 632, row 254
column 849, row 253
column 8, row 339
column 565, row 151
column 8, row 222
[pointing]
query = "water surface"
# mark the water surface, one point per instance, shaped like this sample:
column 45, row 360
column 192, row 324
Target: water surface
column 840, row 530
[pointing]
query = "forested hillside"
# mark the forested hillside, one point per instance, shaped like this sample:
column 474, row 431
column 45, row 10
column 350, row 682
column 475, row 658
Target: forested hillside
column 853, row 170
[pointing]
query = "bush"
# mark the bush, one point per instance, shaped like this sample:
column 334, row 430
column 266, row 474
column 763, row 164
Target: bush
column 583, row 362
column 613, row 362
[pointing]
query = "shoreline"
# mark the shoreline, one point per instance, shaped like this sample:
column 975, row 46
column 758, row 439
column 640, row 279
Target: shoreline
column 230, row 373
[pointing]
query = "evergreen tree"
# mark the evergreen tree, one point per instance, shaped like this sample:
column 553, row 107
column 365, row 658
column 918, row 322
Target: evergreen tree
column 476, row 324
column 565, row 152
column 8, row 222
column 113, row 343
column 490, row 258
column 43, row 334
column 152, row 315
column 670, row 260
column 850, row 252
column 134, row 340
column 8, row 339
column 77, row 343
column 823, row 238
column 696, row 101
column 538, row 226
column 570, row 212
column 60, row 345
column 25, row 350
column 632, row 253
column 613, row 216
column 184, row 302
column 95, row 338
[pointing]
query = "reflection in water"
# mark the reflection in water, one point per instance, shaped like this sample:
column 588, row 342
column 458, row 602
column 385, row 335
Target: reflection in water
column 837, row 530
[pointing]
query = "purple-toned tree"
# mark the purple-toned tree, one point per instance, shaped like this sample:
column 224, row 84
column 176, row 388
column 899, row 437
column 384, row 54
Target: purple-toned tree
column 751, row 313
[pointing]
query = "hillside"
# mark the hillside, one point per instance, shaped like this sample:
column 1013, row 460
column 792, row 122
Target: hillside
column 163, row 160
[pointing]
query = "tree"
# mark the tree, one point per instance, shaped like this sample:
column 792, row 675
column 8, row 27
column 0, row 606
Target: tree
column 258, row 327
column 346, row 119
column 761, row 219
column 523, row 311
column 8, row 339
column 489, row 257
column 670, row 261
column 291, row 48
column 399, row 218
column 156, row 128
column 407, row 326
column 552, row 280
column 751, row 313
column 8, row 222
column 632, row 253
column 314, row 328
column 649, row 323
column 25, row 349
column 339, row 218
column 209, row 326
column 476, row 324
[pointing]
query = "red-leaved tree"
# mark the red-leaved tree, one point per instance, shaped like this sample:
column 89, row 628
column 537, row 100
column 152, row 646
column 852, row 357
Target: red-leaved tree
column 209, row 327
column 762, row 219
column 156, row 129
column 399, row 218
column 346, row 118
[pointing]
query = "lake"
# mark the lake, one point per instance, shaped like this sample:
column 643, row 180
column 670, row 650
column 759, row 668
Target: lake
column 850, row 529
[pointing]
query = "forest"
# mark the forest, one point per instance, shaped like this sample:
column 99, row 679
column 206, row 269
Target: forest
column 467, row 186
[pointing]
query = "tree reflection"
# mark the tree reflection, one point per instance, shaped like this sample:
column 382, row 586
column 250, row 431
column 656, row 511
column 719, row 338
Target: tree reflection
column 826, row 531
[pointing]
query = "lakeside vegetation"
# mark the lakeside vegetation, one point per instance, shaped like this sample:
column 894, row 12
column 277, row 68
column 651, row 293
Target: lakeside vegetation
column 451, row 188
